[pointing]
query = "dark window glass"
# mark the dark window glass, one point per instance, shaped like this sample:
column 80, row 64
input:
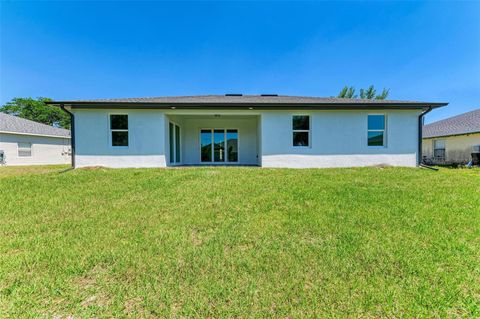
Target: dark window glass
column 301, row 122
column 232, row 145
column 376, row 122
column 171, row 137
column 120, row 138
column 206, row 145
column 375, row 138
column 177, row 144
column 219, row 146
column 300, row 138
column 118, row 122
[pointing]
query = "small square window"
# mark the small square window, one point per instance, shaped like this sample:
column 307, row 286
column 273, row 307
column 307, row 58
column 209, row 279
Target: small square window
column 24, row 149
column 119, row 122
column 301, row 122
column 300, row 139
column 376, row 122
column 375, row 138
column 119, row 138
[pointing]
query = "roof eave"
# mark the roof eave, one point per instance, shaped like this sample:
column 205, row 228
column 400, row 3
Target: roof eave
column 452, row 134
column 264, row 106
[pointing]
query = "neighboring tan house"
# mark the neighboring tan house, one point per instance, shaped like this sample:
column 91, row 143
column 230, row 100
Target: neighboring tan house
column 233, row 129
column 453, row 140
column 25, row 142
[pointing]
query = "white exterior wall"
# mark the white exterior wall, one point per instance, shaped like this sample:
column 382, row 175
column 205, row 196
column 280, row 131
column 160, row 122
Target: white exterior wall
column 458, row 148
column 146, row 145
column 338, row 138
column 45, row 150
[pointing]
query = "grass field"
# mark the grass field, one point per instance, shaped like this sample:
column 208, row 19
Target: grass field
column 240, row 242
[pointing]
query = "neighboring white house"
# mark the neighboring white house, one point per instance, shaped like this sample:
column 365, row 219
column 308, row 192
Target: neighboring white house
column 25, row 142
column 234, row 129
column 452, row 140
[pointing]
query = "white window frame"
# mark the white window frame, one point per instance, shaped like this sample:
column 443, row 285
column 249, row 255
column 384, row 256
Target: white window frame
column 444, row 148
column 308, row 131
column 23, row 148
column 212, row 162
column 110, row 140
column 384, row 131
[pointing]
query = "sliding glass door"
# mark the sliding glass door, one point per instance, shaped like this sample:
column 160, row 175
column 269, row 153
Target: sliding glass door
column 174, row 141
column 219, row 146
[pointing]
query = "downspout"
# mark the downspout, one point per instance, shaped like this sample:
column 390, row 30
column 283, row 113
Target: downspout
column 72, row 134
column 420, row 135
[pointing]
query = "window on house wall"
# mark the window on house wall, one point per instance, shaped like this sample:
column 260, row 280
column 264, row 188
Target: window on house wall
column 119, row 129
column 376, row 130
column 24, row 149
column 301, row 130
column 439, row 149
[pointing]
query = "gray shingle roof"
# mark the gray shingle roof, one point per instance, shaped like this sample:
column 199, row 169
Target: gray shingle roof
column 245, row 99
column 461, row 124
column 14, row 124
column 242, row 99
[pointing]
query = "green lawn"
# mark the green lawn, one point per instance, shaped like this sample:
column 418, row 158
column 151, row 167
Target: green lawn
column 240, row 242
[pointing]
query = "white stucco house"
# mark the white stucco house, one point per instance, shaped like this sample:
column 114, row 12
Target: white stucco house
column 233, row 129
column 25, row 142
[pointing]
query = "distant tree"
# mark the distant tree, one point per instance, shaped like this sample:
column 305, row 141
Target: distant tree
column 383, row 95
column 347, row 92
column 369, row 94
column 36, row 110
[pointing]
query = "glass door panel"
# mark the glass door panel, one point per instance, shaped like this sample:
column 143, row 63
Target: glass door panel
column 206, row 145
column 219, row 146
column 174, row 142
column 232, row 145
column 171, row 141
column 177, row 144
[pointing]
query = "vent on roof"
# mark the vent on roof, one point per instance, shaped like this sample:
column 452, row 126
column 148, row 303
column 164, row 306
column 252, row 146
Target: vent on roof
column 268, row 94
column 233, row 94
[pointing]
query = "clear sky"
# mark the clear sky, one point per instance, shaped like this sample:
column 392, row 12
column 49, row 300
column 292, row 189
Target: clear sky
column 427, row 51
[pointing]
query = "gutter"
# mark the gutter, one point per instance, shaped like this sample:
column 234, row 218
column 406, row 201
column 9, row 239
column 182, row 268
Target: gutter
column 420, row 134
column 72, row 134
column 242, row 105
column 33, row 134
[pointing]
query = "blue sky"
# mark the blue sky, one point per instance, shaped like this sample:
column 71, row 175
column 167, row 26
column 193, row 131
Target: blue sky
column 427, row 51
